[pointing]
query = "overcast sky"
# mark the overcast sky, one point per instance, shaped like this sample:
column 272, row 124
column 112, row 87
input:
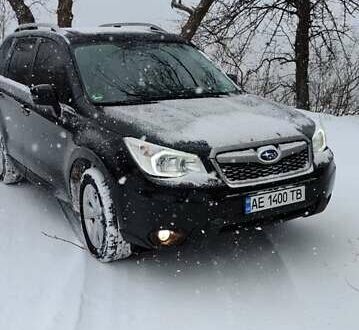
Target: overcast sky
column 94, row 12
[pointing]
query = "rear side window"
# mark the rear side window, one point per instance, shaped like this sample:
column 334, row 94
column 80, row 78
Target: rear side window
column 4, row 53
column 21, row 60
column 50, row 68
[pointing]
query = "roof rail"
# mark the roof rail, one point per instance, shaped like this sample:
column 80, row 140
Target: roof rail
column 148, row 25
column 37, row 26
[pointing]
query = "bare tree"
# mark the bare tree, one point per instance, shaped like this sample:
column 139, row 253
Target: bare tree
column 299, row 24
column 22, row 11
column 195, row 18
column 64, row 13
column 335, row 81
column 5, row 17
column 302, row 9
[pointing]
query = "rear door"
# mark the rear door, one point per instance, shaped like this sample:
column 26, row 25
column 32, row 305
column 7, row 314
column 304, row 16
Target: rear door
column 15, row 95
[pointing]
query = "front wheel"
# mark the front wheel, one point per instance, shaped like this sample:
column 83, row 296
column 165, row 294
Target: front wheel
column 99, row 218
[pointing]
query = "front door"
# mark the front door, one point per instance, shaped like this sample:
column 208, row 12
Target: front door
column 46, row 140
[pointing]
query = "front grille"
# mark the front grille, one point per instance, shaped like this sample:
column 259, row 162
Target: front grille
column 242, row 172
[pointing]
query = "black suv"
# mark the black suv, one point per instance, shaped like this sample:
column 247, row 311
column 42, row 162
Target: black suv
column 148, row 141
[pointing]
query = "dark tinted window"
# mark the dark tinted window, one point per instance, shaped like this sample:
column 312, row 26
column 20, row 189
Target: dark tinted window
column 4, row 53
column 21, row 60
column 50, row 68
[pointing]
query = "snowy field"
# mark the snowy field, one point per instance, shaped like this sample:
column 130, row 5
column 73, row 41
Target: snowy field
column 300, row 275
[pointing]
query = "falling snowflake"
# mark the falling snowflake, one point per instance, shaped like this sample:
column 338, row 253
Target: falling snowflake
column 199, row 90
column 122, row 181
column 35, row 147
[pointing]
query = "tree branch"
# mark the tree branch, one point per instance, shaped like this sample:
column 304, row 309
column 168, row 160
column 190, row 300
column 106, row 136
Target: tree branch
column 180, row 6
column 63, row 240
column 195, row 20
column 351, row 285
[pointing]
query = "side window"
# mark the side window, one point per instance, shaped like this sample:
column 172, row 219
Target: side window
column 4, row 53
column 50, row 68
column 21, row 60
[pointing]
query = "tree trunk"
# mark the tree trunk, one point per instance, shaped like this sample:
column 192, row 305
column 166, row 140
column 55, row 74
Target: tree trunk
column 302, row 54
column 22, row 11
column 64, row 13
column 195, row 19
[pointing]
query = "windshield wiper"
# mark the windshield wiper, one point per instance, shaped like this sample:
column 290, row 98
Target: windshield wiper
column 126, row 102
column 186, row 94
column 194, row 95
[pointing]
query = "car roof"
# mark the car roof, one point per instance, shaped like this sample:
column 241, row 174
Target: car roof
column 113, row 31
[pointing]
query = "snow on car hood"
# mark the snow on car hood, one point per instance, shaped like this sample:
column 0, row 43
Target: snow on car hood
column 218, row 122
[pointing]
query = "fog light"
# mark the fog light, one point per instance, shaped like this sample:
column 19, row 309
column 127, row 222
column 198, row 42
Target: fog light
column 164, row 235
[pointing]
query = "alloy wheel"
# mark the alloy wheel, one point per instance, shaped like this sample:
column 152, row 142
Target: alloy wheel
column 94, row 217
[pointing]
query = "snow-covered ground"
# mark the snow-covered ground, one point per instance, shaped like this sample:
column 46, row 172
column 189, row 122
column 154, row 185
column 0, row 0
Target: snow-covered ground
column 300, row 275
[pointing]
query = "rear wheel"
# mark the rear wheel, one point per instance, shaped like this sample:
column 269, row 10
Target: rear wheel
column 99, row 218
column 8, row 172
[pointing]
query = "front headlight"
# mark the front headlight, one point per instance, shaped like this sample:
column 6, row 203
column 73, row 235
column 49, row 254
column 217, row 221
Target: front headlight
column 319, row 140
column 161, row 161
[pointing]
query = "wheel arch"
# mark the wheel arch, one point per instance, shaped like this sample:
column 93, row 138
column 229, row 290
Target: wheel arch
column 80, row 160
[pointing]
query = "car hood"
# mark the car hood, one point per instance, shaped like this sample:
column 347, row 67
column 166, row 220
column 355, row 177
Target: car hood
column 217, row 122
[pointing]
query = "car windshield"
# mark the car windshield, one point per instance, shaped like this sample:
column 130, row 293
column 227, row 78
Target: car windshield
column 135, row 72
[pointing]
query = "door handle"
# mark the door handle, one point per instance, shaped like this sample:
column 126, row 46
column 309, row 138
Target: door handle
column 25, row 110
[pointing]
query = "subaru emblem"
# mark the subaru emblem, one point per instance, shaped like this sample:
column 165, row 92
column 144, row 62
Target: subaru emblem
column 268, row 155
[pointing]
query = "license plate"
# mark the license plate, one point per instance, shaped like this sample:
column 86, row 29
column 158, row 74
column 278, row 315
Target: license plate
column 270, row 200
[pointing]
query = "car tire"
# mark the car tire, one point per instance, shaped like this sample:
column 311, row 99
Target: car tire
column 8, row 171
column 99, row 218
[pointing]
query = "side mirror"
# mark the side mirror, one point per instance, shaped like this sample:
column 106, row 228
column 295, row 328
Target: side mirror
column 233, row 77
column 45, row 95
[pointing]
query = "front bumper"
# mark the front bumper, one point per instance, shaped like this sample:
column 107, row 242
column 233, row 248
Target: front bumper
column 147, row 207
